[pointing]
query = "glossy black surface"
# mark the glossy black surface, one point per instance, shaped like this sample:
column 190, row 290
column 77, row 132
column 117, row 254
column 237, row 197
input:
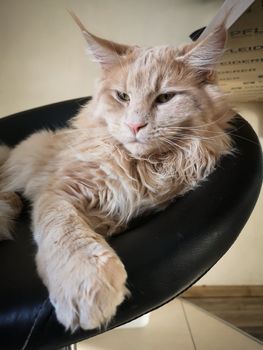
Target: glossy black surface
column 164, row 254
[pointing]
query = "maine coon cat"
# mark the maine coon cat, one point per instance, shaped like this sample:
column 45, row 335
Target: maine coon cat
column 155, row 127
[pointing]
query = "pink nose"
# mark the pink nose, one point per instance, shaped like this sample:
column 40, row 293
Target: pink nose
column 135, row 127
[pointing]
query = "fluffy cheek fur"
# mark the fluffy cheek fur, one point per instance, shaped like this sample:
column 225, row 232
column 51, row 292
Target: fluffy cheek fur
column 191, row 114
column 178, row 112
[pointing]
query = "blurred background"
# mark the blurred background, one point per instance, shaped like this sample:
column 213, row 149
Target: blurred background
column 43, row 60
column 43, row 52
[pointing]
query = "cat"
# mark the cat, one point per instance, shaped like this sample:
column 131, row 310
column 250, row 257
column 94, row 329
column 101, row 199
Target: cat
column 154, row 129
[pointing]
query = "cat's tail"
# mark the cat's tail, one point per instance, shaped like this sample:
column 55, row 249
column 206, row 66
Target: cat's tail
column 10, row 202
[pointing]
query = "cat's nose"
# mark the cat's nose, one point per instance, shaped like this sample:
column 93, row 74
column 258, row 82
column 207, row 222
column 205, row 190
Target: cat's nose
column 135, row 127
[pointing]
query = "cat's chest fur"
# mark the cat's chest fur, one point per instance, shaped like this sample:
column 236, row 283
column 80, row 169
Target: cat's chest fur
column 112, row 190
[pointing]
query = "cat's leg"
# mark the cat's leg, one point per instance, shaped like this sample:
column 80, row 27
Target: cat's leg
column 4, row 153
column 84, row 276
column 21, row 170
column 10, row 208
column 10, row 202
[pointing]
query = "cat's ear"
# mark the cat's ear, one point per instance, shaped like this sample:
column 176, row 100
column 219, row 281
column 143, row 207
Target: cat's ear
column 206, row 53
column 106, row 52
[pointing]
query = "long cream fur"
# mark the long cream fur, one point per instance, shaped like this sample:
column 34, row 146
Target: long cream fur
column 86, row 182
column 10, row 204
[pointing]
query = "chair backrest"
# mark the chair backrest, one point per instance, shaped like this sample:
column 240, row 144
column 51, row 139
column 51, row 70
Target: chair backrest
column 17, row 127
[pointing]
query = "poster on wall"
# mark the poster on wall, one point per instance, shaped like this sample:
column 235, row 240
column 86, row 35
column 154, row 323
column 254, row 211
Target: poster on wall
column 241, row 68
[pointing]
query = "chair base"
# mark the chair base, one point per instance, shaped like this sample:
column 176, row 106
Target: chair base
column 69, row 347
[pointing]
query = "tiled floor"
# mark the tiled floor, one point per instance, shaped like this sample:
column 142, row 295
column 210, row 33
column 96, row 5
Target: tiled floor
column 244, row 312
column 178, row 325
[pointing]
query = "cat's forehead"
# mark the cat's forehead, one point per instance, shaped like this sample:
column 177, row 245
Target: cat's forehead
column 157, row 57
column 147, row 55
column 153, row 66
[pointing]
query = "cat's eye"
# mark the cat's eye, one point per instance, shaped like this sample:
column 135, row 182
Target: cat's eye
column 163, row 98
column 122, row 96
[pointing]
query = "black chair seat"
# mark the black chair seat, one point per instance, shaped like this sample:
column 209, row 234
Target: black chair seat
column 164, row 254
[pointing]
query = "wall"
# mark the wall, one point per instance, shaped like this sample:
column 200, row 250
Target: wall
column 42, row 57
column 42, row 61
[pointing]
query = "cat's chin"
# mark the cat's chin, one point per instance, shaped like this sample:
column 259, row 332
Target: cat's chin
column 137, row 148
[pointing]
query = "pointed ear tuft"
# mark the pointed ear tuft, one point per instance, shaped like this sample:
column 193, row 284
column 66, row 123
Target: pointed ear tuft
column 206, row 53
column 106, row 52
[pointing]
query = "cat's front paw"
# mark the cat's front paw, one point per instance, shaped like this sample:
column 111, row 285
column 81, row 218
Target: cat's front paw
column 86, row 292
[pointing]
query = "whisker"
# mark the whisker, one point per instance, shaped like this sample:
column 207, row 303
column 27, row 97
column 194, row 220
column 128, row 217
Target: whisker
column 201, row 125
column 175, row 128
column 193, row 137
column 173, row 144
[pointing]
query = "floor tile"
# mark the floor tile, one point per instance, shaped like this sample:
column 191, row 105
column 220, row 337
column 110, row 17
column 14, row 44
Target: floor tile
column 167, row 329
column 209, row 332
column 244, row 312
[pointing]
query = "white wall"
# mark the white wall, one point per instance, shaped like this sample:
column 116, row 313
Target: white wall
column 42, row 56
column 42, row 61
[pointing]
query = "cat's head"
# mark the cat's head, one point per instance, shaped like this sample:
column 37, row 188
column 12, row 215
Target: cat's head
column 150, row 98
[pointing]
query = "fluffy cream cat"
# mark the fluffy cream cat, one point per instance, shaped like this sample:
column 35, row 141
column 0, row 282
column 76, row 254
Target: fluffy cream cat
column 155, row 128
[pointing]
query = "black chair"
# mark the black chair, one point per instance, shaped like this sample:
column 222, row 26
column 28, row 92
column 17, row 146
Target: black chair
column 164, row 254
